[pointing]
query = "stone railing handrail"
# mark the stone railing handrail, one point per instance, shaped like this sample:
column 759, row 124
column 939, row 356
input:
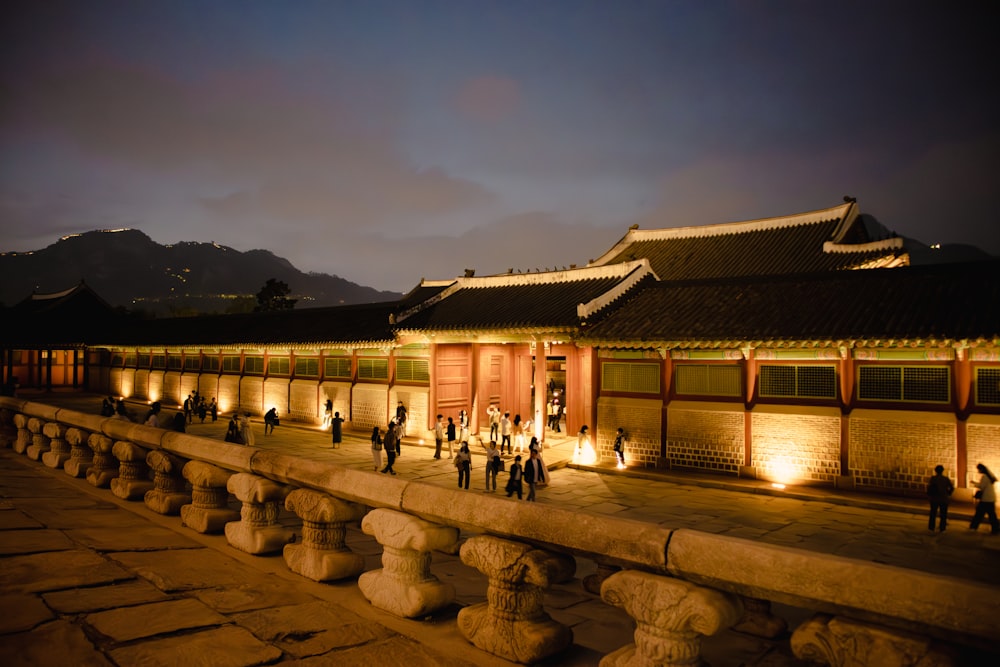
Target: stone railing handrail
column 945, row 607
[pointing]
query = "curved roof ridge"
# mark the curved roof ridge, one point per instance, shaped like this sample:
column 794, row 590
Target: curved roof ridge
column 640, row 271
column 548, row 277
column 636, row 235
column 872, row 246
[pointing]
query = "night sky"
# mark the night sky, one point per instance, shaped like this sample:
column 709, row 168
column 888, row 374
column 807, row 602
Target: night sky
column 388, row 141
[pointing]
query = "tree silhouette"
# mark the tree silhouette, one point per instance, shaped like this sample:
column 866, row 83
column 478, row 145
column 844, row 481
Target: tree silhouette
column 274, row 296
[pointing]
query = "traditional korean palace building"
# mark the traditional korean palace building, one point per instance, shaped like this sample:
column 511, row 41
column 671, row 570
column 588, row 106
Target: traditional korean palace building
column 795, row 349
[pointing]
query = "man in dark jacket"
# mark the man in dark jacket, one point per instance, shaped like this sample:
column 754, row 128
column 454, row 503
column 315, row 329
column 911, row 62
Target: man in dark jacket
column 939, row 489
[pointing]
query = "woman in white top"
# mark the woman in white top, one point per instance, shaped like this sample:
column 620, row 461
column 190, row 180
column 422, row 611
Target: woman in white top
column 987, row 496
column 245, row 433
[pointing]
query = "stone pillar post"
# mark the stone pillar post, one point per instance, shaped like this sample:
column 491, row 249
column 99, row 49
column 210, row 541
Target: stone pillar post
column 512, row 623
column 844, row 642
column 671, row 617
column 23, row 434
column 39, row 441
column 169, row 491
column 8, row 431
column 405, row 586
column 209, row 511
column 133, row 480
column 80, row 453
column 258, row 530
column 59, row 451
column 104, row 466
column 323, row 555
column 759, row 621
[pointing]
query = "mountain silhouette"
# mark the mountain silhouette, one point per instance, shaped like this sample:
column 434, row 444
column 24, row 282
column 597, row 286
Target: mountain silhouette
column 128, row 269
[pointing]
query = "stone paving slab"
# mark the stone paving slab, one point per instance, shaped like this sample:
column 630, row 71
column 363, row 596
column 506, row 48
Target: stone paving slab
column 157, row 618
column 188, row 569
column 98, row 598
column 20, row 612
column 133, row 536
column 15, row 519
column 57, row 570
column 227, row 646
column 52, row 644
column 13, row 541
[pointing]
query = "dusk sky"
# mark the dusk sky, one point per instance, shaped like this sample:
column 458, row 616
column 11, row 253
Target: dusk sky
column 388, row 141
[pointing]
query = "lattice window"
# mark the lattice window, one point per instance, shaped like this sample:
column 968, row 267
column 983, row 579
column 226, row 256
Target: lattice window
column 919, row 384
column 279, row 366
column 337, row 367
column 117, row 359
column 159, row 361
column 210, row 364
column 231, row 363
column 790, row 381
column 307, row 367
column 373, row 369
column 626, row 377
column 192, row 362
column 131, row 359
column 413, row 370
column 708, row 379
column 174, row 362
column 988, row 386
column 253, row 365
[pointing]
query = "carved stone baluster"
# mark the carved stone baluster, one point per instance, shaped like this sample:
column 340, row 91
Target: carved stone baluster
column 322, row 554
column 671, row 617
column 759, row 621
column 39, row 441
column 80, row 453
column 209, row 511
column 844, row 642
column 169, row 491
column 23, row 439
column 8, row 430
column 133, row 480
column 104, row 466
column 512, row 623
column 258, row 530
column 405, row 586
column 59, row 451
column 592, row 582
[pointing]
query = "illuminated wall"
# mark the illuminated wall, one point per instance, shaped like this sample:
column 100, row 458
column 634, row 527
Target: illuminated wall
column 705, row 436
column 898, row 449
column 794, row 444
column 641, row 420
column 983, row 438
column 303, row 401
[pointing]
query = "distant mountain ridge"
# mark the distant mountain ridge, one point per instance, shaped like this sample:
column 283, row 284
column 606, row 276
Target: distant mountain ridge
column 127, row 268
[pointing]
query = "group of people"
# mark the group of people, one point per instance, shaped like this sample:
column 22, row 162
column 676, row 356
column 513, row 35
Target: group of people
column 195, row 404
column 238, row 431
column 940, row 488
column 389, row 442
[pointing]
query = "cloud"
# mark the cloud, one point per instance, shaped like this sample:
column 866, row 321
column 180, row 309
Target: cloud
column 488, row 99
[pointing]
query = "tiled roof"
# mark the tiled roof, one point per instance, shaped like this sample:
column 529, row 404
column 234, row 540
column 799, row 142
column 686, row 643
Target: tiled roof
column 825, row 240
column 367, row 323
column 550, row 300
column 942, row 302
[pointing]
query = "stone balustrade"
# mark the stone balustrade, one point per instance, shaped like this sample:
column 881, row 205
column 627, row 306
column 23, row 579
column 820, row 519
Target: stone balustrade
column 680, row 586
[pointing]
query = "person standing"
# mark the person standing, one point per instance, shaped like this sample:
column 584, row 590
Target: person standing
column 463, row 425
column 621, row 441
column 451, row 437
column 179, row 422
column 328, row 413
column 152, row 417
column 939, row 489
column 534, row 473
column 987, row 497
column 505, row 433
column 376, row 448
column 514, row 482
column 188, row 409
column 401, row 419
column 518, row 432
column 390, row 448
column 493, row 415
column 438, row 436
column 270, row 420
column 493, row 463
column 337, row 429
column 246, row 434
column 463, row 462
column 213, row 409
column 233, row 431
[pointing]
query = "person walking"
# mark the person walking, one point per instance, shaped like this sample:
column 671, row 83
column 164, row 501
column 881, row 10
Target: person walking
column 401, row 419
column 270, row 420
column 514, row 481
column 939, row 489
column 463, row 462
column 987, row 500
column 619, row 446
column 505, row 433
column 376, row 448
column 438, row 436
column 390, row 448
column 337, row 429
column 451, row 437
column 534, row 474
column 493, row 464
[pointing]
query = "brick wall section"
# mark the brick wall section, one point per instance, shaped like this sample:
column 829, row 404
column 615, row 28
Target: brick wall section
column 141, row 387
column 303, row 402
column 416, row 400
column 983, row 440
column 340, row 394
column 251, row 394
column 276, row 395
column 705, row 439
column 796, row 447
column 369, row 406
column 641, row 420
column 229, row 392
column 897, row 451
column 208, row 386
